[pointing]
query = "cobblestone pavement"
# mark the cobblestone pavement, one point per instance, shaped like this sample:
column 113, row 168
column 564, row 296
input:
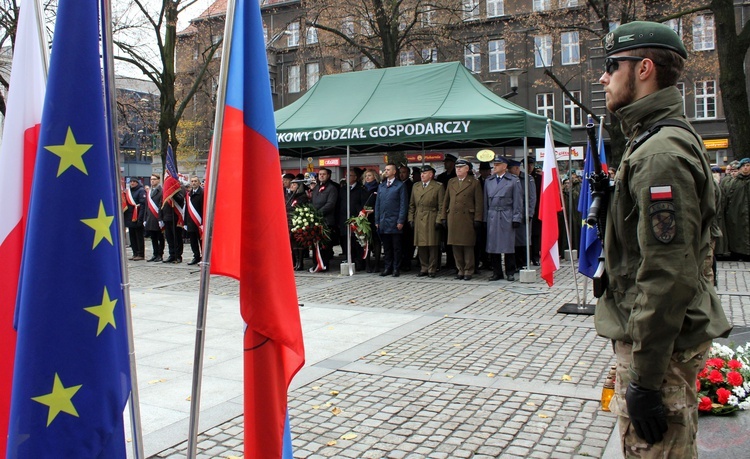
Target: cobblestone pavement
column 487, row 370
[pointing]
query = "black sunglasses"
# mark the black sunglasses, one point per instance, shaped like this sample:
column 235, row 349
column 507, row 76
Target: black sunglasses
column 611, row 64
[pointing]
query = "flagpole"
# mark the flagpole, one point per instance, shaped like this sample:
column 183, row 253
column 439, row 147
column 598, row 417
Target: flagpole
column 109, row 65
column 39, row 13
column 208, row 230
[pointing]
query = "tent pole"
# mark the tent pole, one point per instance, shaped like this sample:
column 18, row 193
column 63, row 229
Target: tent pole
column 348, row 228
column 526, row 195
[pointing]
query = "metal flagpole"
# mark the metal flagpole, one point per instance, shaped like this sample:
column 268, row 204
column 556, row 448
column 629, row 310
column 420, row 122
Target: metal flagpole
column 39, row 12
column 208, row 230
column 527, row 222
column 567, row 231
column 109, row 65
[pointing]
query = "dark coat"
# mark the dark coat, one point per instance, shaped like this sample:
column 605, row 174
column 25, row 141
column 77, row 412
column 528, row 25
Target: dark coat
column 462, row 206
column 292, row 202
column 521, row 230
column 737, row 214
column 168, row 212
column 391, row 207
column 424, row 213
column 358, row 197
column 325, row 199
column 139, row 196
column 152, row 222
column 196, row 199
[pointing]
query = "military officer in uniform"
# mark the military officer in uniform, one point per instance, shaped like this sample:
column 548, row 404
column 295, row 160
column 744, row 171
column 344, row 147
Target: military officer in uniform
column 503, row 211
column 659, row 309
column 462, row 214
column 526, row 217
column 425, row 207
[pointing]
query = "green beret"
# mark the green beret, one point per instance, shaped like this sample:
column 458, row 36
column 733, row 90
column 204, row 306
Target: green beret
column 643, row 34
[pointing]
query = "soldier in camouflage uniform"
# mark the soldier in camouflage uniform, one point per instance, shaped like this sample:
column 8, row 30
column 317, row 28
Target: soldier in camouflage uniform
column 660, row 310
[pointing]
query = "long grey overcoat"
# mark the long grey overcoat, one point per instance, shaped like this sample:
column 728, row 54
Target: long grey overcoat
column 502, row 207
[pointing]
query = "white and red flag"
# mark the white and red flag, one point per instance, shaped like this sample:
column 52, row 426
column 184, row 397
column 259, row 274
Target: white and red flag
column 23, row 117
column 549, row 206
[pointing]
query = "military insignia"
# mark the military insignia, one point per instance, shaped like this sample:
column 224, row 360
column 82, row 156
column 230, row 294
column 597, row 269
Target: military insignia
column 663, row 223
column 661, row 193
column 609, row 41
column 626, row 38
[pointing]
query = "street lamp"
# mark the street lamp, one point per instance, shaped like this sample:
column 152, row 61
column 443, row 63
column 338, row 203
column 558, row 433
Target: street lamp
column 513, row 73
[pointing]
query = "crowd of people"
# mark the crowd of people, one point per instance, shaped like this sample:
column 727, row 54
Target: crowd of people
column 476, row 218
column 733, row 211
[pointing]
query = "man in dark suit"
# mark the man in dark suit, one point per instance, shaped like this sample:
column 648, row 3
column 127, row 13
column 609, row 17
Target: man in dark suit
column 325, row 199
column 194, row 218
column 390, row 216
column 153, row 222
column 135, row 198
column 357, row 198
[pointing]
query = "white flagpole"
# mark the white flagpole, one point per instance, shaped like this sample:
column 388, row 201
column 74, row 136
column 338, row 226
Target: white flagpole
column 134, row 399
column 208, row 232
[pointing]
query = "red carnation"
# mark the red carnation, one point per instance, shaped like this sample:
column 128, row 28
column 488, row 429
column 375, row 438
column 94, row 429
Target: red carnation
column 734, row 364
column 705, row 404
column 715, row 377
column 734, row 378
column 722, row 395
column 697, row 385
column 715, row 362
column 703, row 373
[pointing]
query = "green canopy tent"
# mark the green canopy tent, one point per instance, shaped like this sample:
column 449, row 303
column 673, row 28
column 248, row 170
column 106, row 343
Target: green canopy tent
column 435, row 106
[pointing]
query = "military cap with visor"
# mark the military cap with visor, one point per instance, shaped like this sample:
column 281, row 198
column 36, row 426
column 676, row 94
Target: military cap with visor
column 643, row 34
column 463, row 162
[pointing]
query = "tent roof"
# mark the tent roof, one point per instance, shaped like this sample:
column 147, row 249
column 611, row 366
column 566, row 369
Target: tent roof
column 432, row 106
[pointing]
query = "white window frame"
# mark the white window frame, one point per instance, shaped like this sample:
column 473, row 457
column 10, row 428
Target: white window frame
column 495, row 8
column 705, row 99
column 347, row 26
column 681, row 87
column 367, row 64
column 407, row 58
column 293, row 79
column 541, row 5
column 545, row 104
column 430, row 55
column 572, row 113
column 312, row 73
column 568, row 3
column 496, row 53
column 311, row 35
column 570, row 48
column 471, row 10
column 542, row 51
column 676, row 25
column 427, row 17
column 473, row 57
column 346, row 66
column 292, row 39
column 703, row 32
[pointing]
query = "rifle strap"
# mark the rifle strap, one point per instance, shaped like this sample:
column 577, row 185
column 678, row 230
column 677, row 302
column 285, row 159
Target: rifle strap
column 656, row 127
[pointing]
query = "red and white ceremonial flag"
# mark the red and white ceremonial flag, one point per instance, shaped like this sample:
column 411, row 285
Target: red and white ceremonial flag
column 23, row 117
column 549, row 206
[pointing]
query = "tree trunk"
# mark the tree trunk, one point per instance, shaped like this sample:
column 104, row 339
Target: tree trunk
column 731, row 50
column 168, row 102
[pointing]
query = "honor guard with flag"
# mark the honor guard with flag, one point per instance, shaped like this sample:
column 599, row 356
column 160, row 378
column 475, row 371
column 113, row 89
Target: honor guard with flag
column 173, row 209
column 135, row 202
column 153, row 223
column 194, row 218
column 659, row 309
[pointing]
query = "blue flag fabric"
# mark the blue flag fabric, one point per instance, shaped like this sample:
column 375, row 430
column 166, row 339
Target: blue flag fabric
column 72, row 377
column 591, row 245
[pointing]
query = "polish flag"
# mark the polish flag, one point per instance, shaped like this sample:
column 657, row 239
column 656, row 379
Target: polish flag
column 23, row 117
column 549, row 206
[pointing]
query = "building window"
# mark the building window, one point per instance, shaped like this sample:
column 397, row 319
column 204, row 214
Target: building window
column 429, row 56
column 543, row 50
column 427, row 18
column 346, row 66
column 497, row 55
column 312, row 73
column 703, row 32
column 293, row 78
column 367, row 64
column 676, row 25
column 570, row 51
column 407, row 58
column 495, row 8
column 471, row 10
column 265, row 34
column 681, row 88
column 613, row 25
column 542, row 5
column 572, row 113
column 473, row 58
column 568, row 3
column 545, row 105
column 705, row 99
column 312, row 36
column 347, row 26
column 292, row 38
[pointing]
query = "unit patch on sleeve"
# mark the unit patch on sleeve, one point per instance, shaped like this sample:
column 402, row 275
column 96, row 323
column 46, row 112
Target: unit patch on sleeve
column 663, row 223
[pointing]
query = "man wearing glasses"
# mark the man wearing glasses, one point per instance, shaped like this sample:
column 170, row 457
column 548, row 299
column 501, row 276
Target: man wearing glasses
column 659, row 309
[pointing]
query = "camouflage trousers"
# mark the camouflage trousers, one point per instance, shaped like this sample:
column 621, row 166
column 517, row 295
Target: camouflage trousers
column 680, row 401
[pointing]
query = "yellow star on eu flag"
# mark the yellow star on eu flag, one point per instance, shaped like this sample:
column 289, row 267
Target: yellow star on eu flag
column 101, row 225
column 105, row 312
column 59, row 400
column 70, row 153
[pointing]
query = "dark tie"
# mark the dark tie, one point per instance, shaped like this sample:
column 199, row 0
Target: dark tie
column 424, row 185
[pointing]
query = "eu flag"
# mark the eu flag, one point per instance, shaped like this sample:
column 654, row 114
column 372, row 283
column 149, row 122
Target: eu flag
column 72, row 378
column 591, row 245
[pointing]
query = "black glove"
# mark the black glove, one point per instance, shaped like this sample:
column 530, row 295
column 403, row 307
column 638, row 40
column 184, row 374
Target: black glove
column 646, row 413
column 516, row 224
column 438, row 226
column 477, row 225
column 410, row 224
column 444, row 223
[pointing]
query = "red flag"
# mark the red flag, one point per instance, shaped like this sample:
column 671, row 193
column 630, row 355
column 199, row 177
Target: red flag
column 549, row 206
column 251, row 239
column 17, row 153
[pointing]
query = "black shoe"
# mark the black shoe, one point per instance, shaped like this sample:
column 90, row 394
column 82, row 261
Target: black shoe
column 158, row 259
column 511, row 278
column 467, row 277
column 396, row 273
column 194, row 261
column 406, row 268
column 152, row 258
column 168, row 260
column 459, row 277
column 495, row 277
column 387, row 272
column 535, row 262
column 177, row 260
column 421, row 274
column 431, row 275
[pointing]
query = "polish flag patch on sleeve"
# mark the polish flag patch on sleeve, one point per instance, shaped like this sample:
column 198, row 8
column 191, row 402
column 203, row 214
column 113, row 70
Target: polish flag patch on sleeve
column 661, row 193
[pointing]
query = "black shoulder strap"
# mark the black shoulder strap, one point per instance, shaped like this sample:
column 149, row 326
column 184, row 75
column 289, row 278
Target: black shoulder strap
column 672, row 122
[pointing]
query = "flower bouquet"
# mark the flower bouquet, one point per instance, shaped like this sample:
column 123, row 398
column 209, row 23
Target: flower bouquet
column 310, row 230
column 362, row 230
column 723, row 384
